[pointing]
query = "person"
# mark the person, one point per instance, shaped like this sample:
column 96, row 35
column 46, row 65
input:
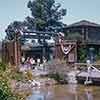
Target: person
column 38, row 61
column 32, row 62
column 28, row 62
column 22, row 59
column 88, row 61
column 44, row 63
column 44, row 60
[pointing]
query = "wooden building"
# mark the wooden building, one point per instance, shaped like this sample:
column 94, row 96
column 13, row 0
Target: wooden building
column 72, row 50
column 55, row 50
column 89, row 31
column 90, row 37
column 37, row 45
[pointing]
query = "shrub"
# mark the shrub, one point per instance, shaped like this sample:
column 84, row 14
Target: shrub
column 81, row 54
column 3, row 66
column 5, row 77
column 56, row 76
column 5, row 91
column 18, row 76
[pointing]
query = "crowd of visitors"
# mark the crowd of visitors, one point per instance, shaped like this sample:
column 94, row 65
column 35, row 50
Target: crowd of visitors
column 29, row 62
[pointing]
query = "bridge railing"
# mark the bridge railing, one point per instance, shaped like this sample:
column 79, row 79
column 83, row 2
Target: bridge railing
column 84, row 66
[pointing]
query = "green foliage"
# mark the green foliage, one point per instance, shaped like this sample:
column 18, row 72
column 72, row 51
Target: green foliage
column 5, row 77
column 81, row 54
column 97, row 54
column 56, row 76
column 11, row 30
column 18, row 76
column 73, row 36
column 46, row 15
column 2, row 66
column 5, row 93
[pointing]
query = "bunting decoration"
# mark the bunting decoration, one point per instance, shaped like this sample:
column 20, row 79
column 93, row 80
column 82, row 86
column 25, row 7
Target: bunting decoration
column 65, row 50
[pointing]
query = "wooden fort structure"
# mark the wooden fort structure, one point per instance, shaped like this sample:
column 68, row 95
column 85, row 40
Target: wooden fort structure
column 60, row 48
column 50, row 51
column 38, row 47
column 13, row 50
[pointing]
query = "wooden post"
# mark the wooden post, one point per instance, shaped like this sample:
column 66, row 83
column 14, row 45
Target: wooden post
column 76, row 53
column 83, row 31
column 87, row 33
column 15, row 52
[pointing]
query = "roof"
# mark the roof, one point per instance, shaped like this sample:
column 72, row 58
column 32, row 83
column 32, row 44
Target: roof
column 84, row 23
column 30, row 46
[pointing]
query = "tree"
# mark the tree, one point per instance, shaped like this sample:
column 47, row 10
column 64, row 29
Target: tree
column 12, row 30
column 46, row 15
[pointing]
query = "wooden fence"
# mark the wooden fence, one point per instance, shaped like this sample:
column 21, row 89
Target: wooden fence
column 11, row 52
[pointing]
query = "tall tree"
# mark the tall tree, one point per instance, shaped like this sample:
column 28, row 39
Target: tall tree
column 45, row 15
column 12, row 29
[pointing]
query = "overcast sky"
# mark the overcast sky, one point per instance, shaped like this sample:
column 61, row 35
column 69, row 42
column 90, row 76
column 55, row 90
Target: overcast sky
column 76, row 10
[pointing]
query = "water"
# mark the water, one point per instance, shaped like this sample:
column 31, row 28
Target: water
column 66, row 92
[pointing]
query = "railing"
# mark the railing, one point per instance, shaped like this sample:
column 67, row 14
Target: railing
column 89, row 67
column 92, row 42
column 84, row 65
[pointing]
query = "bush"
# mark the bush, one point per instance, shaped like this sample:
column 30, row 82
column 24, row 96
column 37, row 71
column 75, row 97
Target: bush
column 6, row 75
column 5, row 91
column 81, row 54
column 56, row 76
column 18, row 76
column 3, row 66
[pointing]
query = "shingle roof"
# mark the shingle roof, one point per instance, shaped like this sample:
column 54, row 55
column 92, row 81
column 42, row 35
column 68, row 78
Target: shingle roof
column 84, row 23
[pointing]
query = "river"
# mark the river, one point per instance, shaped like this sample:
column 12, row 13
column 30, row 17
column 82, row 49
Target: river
column 65, row 92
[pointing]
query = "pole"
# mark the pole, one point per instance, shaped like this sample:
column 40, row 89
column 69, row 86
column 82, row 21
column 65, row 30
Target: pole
column 44, row 47
column 15, row 50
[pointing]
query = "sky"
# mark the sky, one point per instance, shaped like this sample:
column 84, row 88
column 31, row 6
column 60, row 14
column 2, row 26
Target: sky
column 11, row 10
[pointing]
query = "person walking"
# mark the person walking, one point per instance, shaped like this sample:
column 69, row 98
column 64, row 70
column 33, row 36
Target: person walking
column 32, row 62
